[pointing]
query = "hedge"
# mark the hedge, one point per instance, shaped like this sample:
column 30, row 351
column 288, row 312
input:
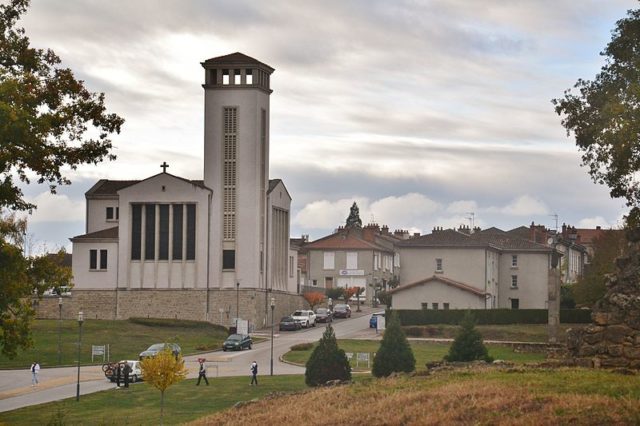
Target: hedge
column 491, row 316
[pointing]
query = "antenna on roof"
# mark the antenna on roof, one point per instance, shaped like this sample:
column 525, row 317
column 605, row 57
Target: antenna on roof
column 555, row 216
column 472, row 219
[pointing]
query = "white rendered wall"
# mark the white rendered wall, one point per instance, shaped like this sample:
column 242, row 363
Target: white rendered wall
column 86, row 279
column 533, row 276
column 436, row 292
column 97, row 214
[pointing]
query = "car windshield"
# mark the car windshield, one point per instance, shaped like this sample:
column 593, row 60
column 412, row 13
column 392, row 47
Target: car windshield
column 156, row 347
column 340, row 307
column 235, row 337
column 286, row 319
column 321, row 311
column 298, row 314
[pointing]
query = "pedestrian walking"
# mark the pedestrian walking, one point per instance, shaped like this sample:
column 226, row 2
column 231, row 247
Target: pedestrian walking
column 254, row 373
column 35, row 369
column 126, row 370
column 202, row 373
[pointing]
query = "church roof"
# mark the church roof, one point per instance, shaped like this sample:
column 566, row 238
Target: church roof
column 235, row 59
column 110, row 188
column 109, row 233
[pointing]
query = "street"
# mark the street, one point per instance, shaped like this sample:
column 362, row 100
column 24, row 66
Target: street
column 61, row 383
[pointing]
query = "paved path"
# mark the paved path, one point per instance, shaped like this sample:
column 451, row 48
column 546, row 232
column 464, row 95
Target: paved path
column 61, row 383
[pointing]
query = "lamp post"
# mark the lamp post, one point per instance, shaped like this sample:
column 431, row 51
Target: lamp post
column 273, row 306
column 59, row 330
column 80, row 321
column 237, row 304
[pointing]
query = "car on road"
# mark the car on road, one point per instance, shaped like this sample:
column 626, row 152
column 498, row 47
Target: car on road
column 305, row 318
column 324, row 315
column 373, row 321
column 288, row 323
column 154, row 349
column 134, row 376
column 342, row 310
column 237, row 342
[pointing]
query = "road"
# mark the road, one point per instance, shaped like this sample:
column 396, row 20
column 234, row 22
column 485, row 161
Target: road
column 61, row 383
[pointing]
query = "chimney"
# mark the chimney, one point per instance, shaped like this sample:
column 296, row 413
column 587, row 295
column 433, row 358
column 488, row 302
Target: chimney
column 385, row 230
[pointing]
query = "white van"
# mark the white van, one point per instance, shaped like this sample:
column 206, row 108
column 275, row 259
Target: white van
column 305, row 318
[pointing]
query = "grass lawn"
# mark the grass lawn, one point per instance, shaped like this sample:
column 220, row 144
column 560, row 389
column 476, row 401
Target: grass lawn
column 125, row 338
column 423, row 351
column 140, row 404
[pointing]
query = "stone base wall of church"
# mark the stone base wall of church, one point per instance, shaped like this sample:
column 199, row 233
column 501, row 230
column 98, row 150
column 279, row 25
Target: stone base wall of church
column 189, row 304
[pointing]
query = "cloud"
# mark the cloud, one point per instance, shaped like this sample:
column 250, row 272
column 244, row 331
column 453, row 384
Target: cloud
column 592, row 222
column 462, row 206
column 524, row 205
column 56, row 208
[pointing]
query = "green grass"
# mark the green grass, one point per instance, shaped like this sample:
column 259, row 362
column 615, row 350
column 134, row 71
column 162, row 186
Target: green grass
column 423, row 351
column 125, row 338
column 140, row 404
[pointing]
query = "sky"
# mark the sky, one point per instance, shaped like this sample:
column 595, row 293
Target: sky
column 426, row 113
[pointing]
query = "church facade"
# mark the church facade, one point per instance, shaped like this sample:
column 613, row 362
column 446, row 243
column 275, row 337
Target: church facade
column 212, row 249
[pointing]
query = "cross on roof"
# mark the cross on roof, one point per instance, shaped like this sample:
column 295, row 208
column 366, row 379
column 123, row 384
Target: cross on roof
column 164, row 166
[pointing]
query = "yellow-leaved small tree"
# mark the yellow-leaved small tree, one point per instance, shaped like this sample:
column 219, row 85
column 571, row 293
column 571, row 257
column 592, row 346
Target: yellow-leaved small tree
column 162, row 371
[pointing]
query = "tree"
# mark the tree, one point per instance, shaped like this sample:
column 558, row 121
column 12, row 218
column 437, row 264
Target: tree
column 313, row 298
column 394, row 354
column 335, row 293
column 354, row 221
column 468, row 345
column 46, row 115
column 22, row 279
column 349, row 291
column 162, row 371
column 591, row 285
column 385, row 298
column 605, row 115
column 327, row 361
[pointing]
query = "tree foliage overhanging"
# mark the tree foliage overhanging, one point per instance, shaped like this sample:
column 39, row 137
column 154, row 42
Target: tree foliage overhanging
column 327, row 361
column 48, row 121
column 604, row 115
column 394, row 354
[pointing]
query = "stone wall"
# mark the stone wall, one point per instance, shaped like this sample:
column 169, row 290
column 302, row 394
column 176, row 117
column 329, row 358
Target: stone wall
column 613, row 340
column 254, row 305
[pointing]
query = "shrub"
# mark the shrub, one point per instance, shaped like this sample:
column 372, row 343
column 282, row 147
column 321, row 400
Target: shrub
column 335, row 293
column 327, row 361
column 468, row 344
column 302, row 346
column 394, row 354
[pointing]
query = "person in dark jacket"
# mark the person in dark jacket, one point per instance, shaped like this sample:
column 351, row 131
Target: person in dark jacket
column 126, row 370
column 202, row 373
column 118, row 373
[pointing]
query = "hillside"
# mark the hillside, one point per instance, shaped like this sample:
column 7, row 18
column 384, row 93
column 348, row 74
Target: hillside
column 478, row 396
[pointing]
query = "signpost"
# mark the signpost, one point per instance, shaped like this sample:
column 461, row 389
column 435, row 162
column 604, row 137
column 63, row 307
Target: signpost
column 97, row 351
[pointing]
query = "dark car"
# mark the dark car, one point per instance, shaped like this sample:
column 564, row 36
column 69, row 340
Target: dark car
column 237, row 342
column 373, row 321
column 288, row 323
column 341, row 311
column 324, row 315
column 153, row 350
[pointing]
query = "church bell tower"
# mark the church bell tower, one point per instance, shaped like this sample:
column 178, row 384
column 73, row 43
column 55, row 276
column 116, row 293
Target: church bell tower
column 236, row 167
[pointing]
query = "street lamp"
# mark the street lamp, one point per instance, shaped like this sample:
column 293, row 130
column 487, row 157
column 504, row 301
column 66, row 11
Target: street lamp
column 80, row 321
column 237, row 304
column 60, row 330
column 273, row 306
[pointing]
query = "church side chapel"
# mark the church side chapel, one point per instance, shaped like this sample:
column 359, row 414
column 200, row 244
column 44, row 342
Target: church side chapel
column 170, row 247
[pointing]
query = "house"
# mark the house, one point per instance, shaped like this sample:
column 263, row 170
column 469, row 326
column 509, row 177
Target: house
column 352, row 257
column 472, row 269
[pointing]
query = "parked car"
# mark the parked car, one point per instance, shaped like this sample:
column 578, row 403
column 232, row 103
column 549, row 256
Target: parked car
column 342, row 310
column 237, row 342
column 373, row 321
column 288, row 323
column 154, row 349
column 324, row 315
column 305, row 318
column 134, row 376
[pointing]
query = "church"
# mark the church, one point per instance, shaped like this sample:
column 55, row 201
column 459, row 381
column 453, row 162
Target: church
column 211, row 250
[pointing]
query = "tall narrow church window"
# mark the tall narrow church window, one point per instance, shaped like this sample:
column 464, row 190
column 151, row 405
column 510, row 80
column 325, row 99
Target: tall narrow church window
column 228, row 259
column 136, row 231
column 93, row 259
column 103, row 259
column 163, row 249
column 177, row 232
column 237, row 77
column 229, row 172
column 191, row 231
column 149, row 232
column 249, row 76
column 225, row 77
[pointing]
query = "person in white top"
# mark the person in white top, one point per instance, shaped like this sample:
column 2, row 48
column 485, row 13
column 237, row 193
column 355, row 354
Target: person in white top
column 35, row 369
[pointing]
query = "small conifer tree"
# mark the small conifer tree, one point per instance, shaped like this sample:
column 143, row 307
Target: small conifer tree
column 327, row 361
column 394, row 354
column 468, row 345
